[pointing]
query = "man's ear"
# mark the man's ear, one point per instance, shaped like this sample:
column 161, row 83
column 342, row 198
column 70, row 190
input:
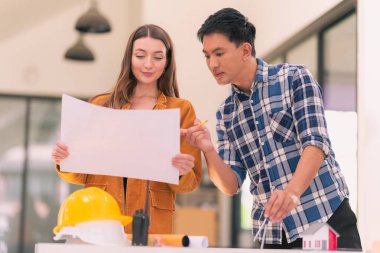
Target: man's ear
column 247, row 49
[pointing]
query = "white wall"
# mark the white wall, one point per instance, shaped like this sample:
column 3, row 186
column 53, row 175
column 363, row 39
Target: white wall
column 369, row 121
column 32, row 61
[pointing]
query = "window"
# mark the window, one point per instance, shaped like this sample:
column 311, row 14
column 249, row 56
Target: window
column 339, row 92
column 246, row 206
column 30, row 189
column 12, row 154
column 339, row 86
column 306, row 53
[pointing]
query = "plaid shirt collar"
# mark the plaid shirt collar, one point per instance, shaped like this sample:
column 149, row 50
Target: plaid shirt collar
column 262, row 75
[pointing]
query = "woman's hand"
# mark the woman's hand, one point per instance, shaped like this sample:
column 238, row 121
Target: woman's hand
column 60, row 152
column 184, row 163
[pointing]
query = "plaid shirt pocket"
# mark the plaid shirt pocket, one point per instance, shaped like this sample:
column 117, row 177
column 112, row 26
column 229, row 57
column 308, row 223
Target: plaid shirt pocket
column 282, row 126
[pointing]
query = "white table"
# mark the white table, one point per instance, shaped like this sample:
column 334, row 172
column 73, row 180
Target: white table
column 86, row 248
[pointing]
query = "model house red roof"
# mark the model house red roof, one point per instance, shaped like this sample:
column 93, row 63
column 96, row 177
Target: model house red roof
column 316, row 226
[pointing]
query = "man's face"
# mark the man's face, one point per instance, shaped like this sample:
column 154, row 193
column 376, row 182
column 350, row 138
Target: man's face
column 223, row 58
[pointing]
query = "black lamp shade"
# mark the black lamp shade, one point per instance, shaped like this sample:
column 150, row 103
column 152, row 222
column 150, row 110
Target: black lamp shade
column 79, row 52
column 93, row 22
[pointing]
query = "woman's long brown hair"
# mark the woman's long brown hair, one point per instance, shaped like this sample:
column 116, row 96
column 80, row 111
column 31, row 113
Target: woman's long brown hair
column 126, row 82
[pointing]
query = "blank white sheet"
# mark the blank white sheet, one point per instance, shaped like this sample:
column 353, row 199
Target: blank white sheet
column 128, row 143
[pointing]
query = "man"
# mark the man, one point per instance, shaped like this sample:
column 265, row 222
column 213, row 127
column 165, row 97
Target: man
column 272, row 127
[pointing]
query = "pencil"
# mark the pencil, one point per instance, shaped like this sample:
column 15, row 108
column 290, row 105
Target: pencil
column 203, row 122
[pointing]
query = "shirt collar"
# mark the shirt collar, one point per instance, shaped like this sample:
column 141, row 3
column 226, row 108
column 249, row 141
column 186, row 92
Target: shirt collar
column 261, row 76
column 161, row 101
column 262, row 71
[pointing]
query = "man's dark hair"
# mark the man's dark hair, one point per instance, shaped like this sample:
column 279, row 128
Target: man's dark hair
column 232, row 24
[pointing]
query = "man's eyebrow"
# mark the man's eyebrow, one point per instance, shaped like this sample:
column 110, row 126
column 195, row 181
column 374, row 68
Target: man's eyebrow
column 213, row 51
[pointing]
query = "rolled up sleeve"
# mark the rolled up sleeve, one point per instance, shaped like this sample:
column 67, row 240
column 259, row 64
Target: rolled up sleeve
column 308, row 111
column 227, row 152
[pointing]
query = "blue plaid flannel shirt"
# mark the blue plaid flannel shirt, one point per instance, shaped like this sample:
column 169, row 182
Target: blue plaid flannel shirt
column 263, row 134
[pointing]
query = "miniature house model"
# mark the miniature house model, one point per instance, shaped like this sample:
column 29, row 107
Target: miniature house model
column 320, row 236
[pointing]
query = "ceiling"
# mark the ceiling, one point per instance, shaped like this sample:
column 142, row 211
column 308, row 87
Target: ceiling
column 18, row 15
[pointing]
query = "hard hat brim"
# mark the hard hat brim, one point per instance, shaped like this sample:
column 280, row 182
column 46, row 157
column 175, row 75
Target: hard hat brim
column 125, row 220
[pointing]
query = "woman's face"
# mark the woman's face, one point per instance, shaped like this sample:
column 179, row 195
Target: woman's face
column 148, row 60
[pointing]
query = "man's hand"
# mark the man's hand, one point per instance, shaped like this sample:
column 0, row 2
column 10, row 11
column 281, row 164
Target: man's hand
column 198, row 136
column 280, row 204
column 220, row 173
column 283, row 201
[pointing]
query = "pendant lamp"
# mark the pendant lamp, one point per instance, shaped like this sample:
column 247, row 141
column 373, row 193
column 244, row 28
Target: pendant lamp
column 79, row 51
column 92, row 21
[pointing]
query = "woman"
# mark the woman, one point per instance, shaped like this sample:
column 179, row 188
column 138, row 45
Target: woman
column 147, row 81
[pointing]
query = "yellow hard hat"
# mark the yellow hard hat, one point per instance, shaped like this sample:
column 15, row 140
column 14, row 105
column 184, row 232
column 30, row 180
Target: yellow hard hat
column 89, row 204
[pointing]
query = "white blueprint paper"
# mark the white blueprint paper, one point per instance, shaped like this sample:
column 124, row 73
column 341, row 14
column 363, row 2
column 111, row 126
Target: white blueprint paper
column 128, row 143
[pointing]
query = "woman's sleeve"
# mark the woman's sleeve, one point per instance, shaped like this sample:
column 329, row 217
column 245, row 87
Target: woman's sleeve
column 73, row 178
